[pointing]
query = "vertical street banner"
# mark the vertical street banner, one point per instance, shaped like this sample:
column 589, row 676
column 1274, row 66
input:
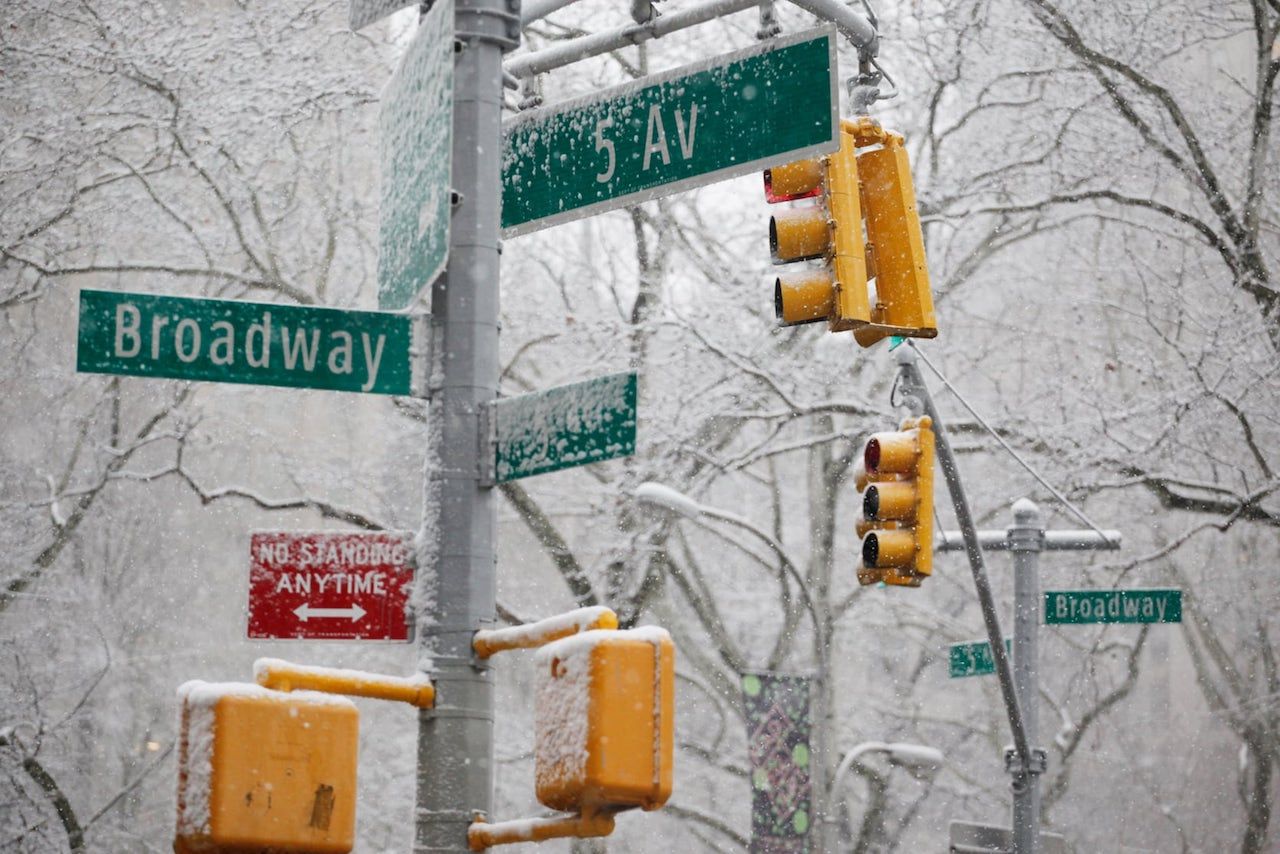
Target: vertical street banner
column 778, row 726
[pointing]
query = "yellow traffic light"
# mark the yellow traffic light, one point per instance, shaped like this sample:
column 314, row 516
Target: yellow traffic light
column 895, row 482
column 262, row 770
column 903, row 303
column 873, row 278
column 605, row 713
column 830, row 230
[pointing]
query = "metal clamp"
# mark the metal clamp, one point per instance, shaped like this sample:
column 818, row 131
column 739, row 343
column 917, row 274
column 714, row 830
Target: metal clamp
column 488, row 462
column 1039, row 762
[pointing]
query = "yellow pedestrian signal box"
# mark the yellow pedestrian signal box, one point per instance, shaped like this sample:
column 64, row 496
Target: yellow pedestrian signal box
column 605, row 721
column 865, row 229
column 262, row 770
column 895, row 483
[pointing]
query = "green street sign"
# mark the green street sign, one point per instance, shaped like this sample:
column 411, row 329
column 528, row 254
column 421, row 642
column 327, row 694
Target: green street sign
column 973, row 658
column 1113, row 606
column 231, row 341
column 563, row 427
column 735, row 114
column 416, row 126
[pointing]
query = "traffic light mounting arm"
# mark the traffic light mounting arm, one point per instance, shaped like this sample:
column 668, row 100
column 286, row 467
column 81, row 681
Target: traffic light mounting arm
column 489, row 641
column 482, row 834
column 282, row 675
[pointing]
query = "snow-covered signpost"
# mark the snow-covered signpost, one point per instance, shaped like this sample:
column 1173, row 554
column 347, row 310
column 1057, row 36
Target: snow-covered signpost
column 686, row 135
column 1026, row 538
column 416, row 129
column 456, row 591
column 572, row 425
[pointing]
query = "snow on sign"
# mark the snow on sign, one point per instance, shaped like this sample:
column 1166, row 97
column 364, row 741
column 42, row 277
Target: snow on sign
column 330, row 586
column 416, row 152
column 568, row 426
column 738, row 113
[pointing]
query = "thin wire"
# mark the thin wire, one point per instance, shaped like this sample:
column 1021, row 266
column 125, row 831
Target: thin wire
column 1056, row 494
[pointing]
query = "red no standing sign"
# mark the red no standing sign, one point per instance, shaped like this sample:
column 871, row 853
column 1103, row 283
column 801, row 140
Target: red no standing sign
column 330, row 586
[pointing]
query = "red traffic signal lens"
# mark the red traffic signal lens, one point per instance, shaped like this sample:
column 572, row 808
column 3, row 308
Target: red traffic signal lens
column 790, row 181
column 871, row 455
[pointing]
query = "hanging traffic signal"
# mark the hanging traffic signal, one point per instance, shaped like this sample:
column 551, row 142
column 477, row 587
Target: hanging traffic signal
column 830, row 230
column 604, row 730
column 873, row 278
column 895, row 483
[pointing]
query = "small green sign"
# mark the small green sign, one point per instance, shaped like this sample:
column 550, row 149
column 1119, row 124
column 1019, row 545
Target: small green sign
column 974, row 658
column 1113, row 606
column 729, row 116
column 231, row 341
column 568, row 426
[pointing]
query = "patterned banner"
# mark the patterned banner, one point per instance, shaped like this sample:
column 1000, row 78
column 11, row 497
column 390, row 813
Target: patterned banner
column 778, row 726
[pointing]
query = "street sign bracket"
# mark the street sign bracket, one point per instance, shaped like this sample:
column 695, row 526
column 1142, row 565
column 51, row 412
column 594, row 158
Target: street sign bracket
column 488, row 461
column 1038, row 764
column 422, row 352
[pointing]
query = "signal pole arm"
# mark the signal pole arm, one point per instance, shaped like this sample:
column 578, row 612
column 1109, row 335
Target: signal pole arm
column 855, row 26
column 912, row 385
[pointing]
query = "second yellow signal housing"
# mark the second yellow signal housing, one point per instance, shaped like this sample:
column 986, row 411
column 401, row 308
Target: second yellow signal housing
column 605, row 715
column 896, row 487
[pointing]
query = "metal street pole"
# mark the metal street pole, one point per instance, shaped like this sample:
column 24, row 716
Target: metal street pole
column 456, row 545
column 1026, row 539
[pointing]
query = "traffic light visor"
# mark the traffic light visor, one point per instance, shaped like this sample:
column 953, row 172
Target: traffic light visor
column 790, row 181
column 894, row 500
column 799, row 234
column 803, row 297
column 888, row 548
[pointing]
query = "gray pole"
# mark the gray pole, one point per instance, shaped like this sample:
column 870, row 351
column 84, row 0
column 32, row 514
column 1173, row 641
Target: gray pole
column 1026, row 539
column 455, row 739
column 912, row 385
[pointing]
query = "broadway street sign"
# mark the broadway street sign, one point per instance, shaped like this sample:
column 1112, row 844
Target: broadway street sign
column 416, row 123
column 973, row 658
column 1113, row 606
column 330, row 585
column 732, row 115
column 563, row 427
column 244, row 342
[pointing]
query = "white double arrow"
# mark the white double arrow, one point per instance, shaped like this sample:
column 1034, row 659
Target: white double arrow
column 306, row 612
